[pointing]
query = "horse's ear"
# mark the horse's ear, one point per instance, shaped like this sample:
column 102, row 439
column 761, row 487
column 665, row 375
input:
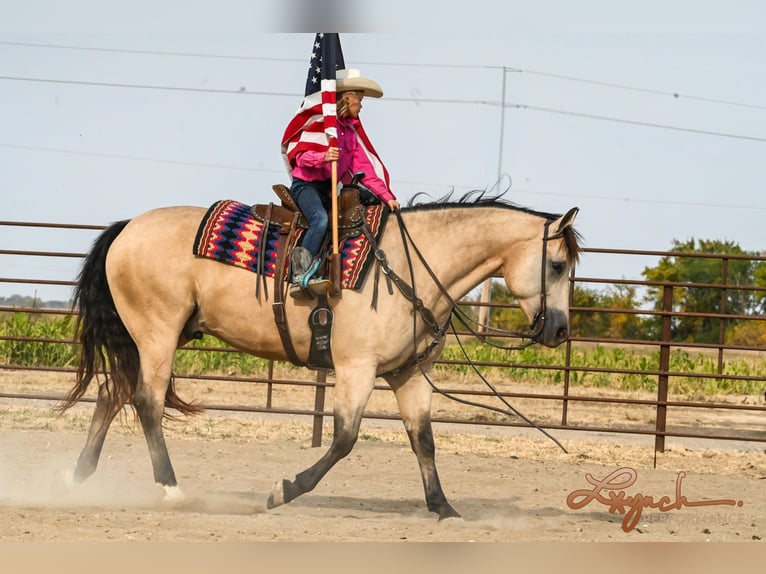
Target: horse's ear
column 565, row 220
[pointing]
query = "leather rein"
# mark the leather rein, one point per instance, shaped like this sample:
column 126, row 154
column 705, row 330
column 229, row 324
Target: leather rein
column 439, row 331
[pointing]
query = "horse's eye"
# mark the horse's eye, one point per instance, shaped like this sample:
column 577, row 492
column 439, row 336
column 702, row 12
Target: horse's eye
column 558, row 266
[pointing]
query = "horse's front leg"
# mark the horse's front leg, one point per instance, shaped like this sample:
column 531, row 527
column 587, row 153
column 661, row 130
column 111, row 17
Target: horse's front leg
column 413, row 395
column 352, row 391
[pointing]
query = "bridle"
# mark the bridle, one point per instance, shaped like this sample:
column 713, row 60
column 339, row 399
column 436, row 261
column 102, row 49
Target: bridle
column 529, row 337
column 538, row 321
column 438, row 332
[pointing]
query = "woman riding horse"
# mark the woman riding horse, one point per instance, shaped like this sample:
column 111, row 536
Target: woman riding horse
column 311, row 168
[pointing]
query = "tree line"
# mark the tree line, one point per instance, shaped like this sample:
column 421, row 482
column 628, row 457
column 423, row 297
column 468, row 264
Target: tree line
column 697, row 263
column 33, row 302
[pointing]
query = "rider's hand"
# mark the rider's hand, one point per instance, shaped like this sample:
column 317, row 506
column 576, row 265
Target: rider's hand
column 331, row 154
column 393, row 205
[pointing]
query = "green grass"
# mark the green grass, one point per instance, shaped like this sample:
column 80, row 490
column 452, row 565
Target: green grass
column 27, row 353
column 369, row 437
column 614, row 358
column 193, row 360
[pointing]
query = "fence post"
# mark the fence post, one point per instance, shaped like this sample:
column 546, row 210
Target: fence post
column 270, row 385
column 316, row 436
column 486, row 295
column 568, row 356
column 664, row 367
column 723, row 323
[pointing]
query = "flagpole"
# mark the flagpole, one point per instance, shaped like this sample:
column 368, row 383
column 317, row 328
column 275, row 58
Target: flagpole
column 335, row 257
column 335, row 207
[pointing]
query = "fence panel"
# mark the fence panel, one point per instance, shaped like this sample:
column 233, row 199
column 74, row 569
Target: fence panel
column 565, row 389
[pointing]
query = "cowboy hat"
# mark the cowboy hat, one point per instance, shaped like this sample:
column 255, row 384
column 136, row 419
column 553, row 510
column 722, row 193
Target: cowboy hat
column 352, row 80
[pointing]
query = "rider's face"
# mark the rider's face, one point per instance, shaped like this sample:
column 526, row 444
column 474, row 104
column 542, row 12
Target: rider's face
column 354, row 101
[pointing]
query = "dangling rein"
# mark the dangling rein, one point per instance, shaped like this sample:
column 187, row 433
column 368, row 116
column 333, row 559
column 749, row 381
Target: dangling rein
column 439, row 332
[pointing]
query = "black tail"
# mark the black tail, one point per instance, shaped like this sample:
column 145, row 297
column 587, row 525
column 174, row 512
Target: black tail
column 106, row 345
column 105, row 342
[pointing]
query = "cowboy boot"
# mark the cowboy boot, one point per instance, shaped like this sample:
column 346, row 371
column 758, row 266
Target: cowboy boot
column 300, row 261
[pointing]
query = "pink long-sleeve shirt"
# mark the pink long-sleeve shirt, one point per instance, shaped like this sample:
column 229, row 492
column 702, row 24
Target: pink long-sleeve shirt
column 311, row 166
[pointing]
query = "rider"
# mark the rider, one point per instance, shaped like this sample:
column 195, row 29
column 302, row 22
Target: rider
column 311, row 170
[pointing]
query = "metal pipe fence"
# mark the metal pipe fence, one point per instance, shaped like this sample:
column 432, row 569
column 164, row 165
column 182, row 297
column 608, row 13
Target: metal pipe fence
column 560, row 402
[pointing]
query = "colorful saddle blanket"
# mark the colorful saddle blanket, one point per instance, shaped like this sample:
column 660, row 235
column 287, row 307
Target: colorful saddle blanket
column 230, row 233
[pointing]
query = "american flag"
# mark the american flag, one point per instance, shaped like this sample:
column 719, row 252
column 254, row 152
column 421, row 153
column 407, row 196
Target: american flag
column 314, row 126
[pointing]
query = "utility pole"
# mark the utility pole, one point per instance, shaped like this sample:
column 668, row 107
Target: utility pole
column 487, row 289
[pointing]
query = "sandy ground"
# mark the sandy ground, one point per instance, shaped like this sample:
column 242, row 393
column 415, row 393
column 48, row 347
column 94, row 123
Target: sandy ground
column 509, row 484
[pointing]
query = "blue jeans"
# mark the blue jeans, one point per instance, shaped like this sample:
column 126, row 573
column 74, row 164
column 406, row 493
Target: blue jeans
column 314, row 200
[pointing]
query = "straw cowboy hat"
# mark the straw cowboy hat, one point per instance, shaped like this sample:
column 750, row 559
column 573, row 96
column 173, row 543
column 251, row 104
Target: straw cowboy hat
column 351, row 79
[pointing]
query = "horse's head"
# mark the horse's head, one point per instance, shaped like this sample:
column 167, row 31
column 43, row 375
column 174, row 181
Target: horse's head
column 537, row 273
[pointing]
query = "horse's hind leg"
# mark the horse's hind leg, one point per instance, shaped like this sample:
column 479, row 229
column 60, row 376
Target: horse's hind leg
column 352, row 391
column 149, row 401
column 413, row 396
column 103, row 416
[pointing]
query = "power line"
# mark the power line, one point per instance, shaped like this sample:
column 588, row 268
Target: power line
column 148, row 52
column 676, row 95
column 241, row 91
column 134, row 158
column 244, row 91
column 564, row 77
column 234, row 57
column 624, row 200
column 637, row 122
column 398, row 182
column 645, row 200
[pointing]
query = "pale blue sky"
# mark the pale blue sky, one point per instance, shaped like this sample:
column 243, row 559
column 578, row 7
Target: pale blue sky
column 108, row 112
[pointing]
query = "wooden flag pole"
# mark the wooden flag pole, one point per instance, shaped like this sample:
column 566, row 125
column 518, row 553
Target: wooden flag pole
column 335, row 256
column 334, row 207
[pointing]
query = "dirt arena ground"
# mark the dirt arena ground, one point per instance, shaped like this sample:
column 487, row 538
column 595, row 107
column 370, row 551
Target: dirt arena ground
column 511, row 485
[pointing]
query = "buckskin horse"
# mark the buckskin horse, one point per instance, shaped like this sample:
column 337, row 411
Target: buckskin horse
column 142, row 294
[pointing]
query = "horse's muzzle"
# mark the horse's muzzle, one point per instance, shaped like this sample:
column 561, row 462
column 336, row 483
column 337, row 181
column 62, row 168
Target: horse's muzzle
column 555, row 328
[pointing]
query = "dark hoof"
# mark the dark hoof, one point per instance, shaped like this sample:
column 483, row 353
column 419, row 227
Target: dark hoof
column 448, row 512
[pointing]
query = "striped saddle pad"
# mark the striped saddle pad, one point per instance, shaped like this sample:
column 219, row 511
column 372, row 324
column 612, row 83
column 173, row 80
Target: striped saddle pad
column 230, row 233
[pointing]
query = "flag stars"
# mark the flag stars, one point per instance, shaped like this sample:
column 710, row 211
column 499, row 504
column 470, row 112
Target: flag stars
column 320, row 53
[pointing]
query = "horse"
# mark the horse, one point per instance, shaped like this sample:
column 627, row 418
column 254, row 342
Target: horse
column 142, row 294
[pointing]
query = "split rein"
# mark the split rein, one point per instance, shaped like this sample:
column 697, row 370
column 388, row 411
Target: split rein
column 439, row 332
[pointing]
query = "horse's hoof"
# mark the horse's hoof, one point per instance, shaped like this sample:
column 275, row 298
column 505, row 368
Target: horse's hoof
column 277, row 496
column 173, row 495
column 447, row 513
column 66, row 479
column 455, row 518
column 63, row 483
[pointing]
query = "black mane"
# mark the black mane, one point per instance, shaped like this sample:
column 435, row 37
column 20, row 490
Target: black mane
column 483, row 198
column 473, row 198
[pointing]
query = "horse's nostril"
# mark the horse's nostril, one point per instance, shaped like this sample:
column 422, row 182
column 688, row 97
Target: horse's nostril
column 562, row 334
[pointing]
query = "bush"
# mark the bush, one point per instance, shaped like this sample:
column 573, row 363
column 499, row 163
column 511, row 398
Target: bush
column 30, row 353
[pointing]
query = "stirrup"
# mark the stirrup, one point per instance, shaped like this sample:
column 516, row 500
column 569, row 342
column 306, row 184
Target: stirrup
column 314, row 288
column 309, row 273
column 298, row 292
